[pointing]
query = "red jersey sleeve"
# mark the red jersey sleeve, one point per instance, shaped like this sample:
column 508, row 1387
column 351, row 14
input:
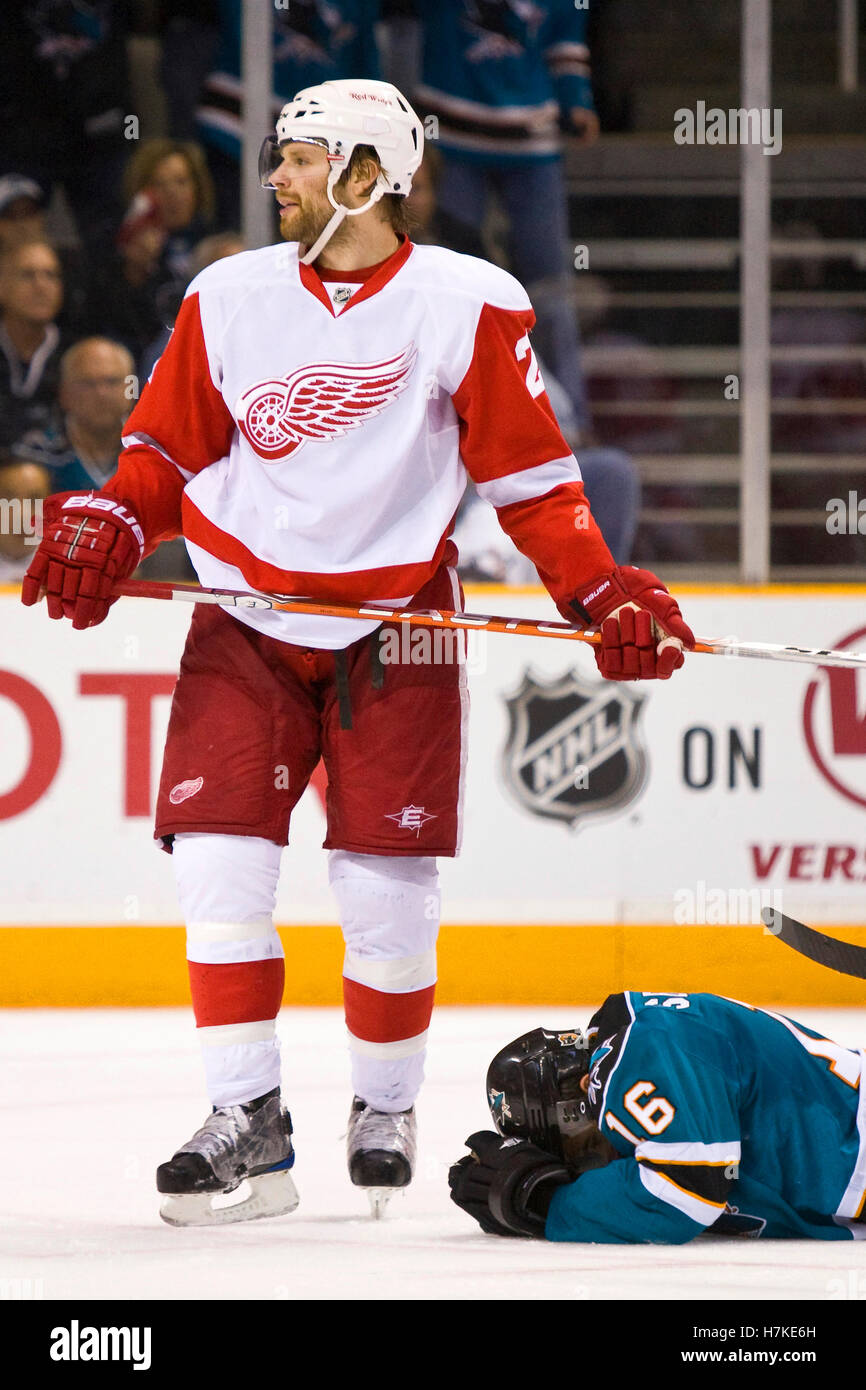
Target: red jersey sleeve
column 180, row 425
column 515, row 454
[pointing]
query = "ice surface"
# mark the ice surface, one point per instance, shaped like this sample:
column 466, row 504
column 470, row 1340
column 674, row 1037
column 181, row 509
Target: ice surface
column 93, row 1100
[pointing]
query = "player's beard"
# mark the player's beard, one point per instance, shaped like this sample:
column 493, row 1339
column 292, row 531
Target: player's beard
column 304, row 224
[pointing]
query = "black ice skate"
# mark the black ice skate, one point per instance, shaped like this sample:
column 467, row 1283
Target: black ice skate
column 381, row 1152
column 235, row 1168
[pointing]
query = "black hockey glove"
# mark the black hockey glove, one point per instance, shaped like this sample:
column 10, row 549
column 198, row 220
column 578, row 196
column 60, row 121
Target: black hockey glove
column 507, row 1184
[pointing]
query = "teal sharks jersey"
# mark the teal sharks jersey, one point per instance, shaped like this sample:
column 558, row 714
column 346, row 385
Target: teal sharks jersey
column 497, row 74
column 727, row 1118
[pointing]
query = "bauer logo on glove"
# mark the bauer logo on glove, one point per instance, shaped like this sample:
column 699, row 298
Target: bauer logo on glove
column 90, row 542
column 642, row 629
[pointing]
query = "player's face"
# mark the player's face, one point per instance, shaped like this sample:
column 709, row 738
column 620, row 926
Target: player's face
column 590, row 1140
column 300, row 183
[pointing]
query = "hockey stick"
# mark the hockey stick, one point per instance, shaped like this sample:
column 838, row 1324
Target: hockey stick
column 488, row 622
column 826, row 950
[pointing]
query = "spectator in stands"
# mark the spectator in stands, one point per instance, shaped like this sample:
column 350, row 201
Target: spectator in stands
column 23, row 487
column 31, row 295
column 174, row 174
column 136, row 281
column 209, row 249
column 431, row 226
column 314, row 41
column 69, row 61
column 97, row 393
column 215, row 248
column 501, row 77
column 22, row 211
column 127, row 281
column 98, row 389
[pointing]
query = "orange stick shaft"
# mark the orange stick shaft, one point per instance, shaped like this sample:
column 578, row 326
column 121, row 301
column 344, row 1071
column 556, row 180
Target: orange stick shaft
column 480, row 622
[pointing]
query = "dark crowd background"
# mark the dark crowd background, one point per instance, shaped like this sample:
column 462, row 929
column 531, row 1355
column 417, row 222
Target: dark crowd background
column 119, row 182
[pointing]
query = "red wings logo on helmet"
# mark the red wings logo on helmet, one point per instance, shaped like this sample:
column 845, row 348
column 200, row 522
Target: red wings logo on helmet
column 319, row 402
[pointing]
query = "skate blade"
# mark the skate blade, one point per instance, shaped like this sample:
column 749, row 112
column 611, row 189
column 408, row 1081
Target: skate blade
column 269, row 1194
column 379, row 1197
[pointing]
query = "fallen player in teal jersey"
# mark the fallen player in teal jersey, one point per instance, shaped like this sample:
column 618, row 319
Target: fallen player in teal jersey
column 673, row 1115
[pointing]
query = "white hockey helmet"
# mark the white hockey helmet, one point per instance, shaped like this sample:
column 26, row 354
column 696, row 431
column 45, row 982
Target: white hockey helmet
column 339, row 116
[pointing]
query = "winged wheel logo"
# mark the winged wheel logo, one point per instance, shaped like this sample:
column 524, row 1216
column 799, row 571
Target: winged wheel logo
column 319, row 402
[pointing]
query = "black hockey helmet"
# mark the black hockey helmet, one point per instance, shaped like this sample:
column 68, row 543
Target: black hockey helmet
column 533, row 1087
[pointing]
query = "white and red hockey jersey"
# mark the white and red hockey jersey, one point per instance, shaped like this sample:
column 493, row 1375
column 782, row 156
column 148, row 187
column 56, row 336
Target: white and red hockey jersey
column 313, row 437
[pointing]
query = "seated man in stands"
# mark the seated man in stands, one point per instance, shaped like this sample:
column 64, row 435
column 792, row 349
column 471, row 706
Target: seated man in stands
column 97, row 391
column 31, row 295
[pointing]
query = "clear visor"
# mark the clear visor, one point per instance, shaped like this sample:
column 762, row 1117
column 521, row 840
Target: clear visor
column 270, row 160
column 271, row 155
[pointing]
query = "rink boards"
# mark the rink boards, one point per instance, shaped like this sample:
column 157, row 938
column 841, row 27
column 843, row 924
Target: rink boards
column 614, row 835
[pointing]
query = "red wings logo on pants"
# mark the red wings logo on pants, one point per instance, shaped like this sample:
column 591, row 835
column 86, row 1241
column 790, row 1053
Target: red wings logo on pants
column 319, row 402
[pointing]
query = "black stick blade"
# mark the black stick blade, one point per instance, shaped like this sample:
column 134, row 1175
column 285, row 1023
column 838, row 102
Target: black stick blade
column 824, row 950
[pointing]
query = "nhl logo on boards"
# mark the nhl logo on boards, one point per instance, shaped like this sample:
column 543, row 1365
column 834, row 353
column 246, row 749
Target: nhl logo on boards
column 574, row 750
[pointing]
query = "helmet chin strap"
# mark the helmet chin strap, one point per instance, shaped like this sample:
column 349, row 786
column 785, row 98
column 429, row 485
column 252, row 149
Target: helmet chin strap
column 336, row 220
column 340, row 213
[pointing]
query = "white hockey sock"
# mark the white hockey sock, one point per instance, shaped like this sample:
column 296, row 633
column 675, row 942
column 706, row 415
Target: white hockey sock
column 389, row 912
column 227, row 888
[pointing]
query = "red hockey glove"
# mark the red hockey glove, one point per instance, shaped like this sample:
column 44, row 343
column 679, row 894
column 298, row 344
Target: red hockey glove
column 90, row 541
column 642, row 628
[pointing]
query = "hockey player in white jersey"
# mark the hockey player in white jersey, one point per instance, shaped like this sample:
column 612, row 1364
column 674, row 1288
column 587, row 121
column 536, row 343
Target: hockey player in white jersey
column 309, row 431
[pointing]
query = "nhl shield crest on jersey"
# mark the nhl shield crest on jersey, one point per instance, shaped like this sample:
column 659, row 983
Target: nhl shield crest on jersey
column 574, row 747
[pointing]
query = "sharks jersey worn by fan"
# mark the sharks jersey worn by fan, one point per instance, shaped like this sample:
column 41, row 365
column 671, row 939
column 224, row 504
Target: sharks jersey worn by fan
column 728, row 1117
column 312, row 436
